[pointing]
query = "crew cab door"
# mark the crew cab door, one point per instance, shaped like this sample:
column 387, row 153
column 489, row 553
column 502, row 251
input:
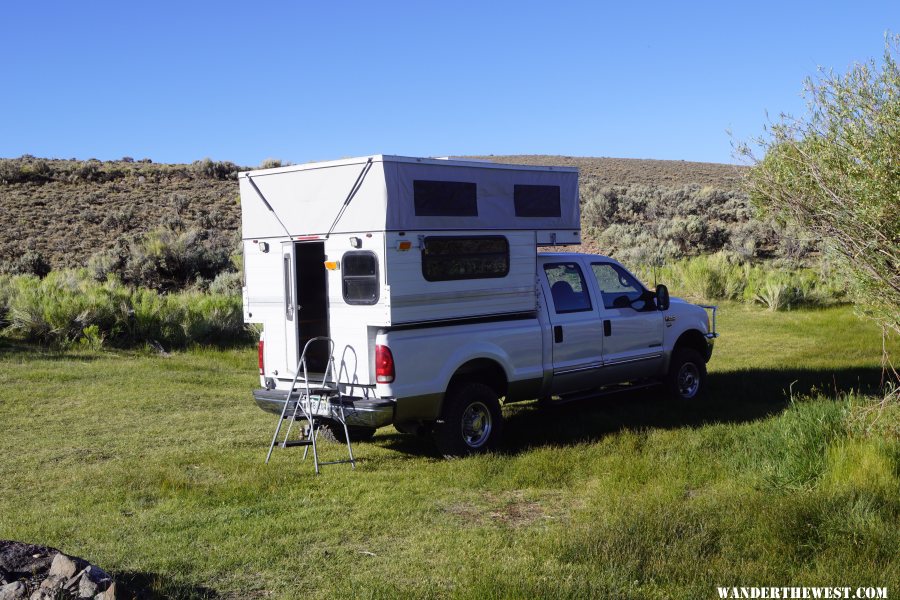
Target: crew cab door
column 632, row 326
column 576, row 330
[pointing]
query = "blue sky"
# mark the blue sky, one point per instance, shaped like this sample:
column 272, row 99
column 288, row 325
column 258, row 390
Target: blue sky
column 302, row 81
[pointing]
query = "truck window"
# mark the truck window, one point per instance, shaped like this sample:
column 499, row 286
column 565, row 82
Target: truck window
column 446, row 258
column 360, row 277
column 445, row 198
column 618, row 287
column 567, row 287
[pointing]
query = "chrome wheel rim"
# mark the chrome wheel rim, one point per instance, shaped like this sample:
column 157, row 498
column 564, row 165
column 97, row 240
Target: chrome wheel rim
column 476, row 424
column 688, row 380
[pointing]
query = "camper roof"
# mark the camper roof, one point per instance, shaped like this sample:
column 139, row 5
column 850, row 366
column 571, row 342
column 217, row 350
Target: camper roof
column 388, row 158
column 399, row 193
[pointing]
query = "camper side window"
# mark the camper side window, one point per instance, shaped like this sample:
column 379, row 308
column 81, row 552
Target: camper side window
column 445, row 198
column 360, row 277
column 475, row 257
column 537, row 200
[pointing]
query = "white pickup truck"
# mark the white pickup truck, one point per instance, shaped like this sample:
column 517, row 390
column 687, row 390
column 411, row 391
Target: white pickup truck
column 425, row 279
column 595, row 326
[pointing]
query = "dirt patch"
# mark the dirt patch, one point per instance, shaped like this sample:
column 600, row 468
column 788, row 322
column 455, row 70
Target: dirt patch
column 510, row 509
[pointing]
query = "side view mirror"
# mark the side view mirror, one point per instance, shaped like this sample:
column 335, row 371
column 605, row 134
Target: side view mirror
column 662, row 297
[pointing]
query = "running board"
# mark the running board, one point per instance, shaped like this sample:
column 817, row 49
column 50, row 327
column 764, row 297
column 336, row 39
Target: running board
column 601, row 392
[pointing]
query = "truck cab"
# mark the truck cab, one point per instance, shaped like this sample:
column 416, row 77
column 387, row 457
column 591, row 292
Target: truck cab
column 608, row 328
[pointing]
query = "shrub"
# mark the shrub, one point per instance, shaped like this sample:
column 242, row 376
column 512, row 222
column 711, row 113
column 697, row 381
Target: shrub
column 70, row 307
column 270, row 163
column 5, row 296
column 167, row 259
column 834, row 174
column 214, row 169
column 30, row 262
column 725, row 276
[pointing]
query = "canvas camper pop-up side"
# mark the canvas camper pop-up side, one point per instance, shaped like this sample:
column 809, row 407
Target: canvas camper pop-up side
column 345, row 248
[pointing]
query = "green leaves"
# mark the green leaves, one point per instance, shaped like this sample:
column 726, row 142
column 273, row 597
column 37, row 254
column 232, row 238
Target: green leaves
column 836, row 173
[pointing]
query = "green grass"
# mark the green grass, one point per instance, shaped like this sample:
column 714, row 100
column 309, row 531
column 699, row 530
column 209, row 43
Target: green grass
column 153, row 468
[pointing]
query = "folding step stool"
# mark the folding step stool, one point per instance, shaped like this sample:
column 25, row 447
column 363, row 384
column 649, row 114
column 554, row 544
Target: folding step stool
column 310, row 401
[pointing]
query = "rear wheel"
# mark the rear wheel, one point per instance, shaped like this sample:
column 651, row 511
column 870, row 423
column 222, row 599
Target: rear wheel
column 687, row 374
column 471, row 421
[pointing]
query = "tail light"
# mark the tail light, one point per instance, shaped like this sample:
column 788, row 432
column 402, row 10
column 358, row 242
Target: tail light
column 261, row 355
column 384, row 364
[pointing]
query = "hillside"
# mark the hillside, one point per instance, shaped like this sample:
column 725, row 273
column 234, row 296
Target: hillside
column 62, row 212
column 634, row 171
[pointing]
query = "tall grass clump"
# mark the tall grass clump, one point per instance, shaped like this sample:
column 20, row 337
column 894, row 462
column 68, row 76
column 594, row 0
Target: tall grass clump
column 70, row 307
column 726, row 276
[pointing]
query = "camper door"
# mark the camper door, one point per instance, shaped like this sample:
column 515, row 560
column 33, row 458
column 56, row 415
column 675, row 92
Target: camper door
column 305, row 304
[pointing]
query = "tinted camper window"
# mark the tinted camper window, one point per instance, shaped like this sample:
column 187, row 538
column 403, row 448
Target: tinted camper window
column 360, row 277
column 445, row 199
column 537, row 200
column 474, row 257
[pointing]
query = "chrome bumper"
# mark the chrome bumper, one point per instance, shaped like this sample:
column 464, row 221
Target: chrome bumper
column 358, row 412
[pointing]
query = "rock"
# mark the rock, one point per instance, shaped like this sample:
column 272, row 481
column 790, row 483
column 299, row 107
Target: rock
column 109, row 594
column 48, row 574
column 62, row 566
column 73, row 582
column 53, row 583
column 43, row 594
column 13, row 591
column 97, row 575
column 87, row 588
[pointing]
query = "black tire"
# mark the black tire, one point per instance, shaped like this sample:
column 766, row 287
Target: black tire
column 471, row 421
column 334, row 432
column 686, row 379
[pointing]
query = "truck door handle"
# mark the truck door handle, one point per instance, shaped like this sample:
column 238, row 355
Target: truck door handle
column 607, row 328
column 557, row 334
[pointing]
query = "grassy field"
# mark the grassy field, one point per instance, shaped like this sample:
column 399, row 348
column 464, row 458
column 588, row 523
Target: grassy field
column 152, row 467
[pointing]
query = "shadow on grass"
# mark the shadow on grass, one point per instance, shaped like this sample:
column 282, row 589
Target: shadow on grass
column 10, row 348
column 732, row 397
column 153, row 586
column 15, row 349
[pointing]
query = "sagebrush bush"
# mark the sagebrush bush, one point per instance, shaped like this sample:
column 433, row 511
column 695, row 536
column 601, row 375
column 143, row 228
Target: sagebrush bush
column 30, row 262
column 726, row 276
column 68, row 307
column 5, row 295
column 167, row 259
column 642, row 220
column 215, row 169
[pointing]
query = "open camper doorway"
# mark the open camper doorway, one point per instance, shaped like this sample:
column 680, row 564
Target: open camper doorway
column 311, row 292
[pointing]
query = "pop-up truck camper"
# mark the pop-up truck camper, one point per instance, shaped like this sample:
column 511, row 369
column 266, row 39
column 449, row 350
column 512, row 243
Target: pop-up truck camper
column 410, row 291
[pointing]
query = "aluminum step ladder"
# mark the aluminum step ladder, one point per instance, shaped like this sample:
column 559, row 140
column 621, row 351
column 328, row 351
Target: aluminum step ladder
column 310, row 400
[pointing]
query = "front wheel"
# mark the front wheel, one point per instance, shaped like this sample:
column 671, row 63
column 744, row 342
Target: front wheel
column 687, row 374
column 471, row 421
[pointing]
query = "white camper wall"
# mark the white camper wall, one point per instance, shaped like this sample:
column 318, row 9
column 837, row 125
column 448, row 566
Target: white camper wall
column 350, row 323
column 413, row 299
column 264, row 298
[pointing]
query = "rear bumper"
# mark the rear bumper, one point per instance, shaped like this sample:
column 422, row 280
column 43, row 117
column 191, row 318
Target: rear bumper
column 358, row 412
